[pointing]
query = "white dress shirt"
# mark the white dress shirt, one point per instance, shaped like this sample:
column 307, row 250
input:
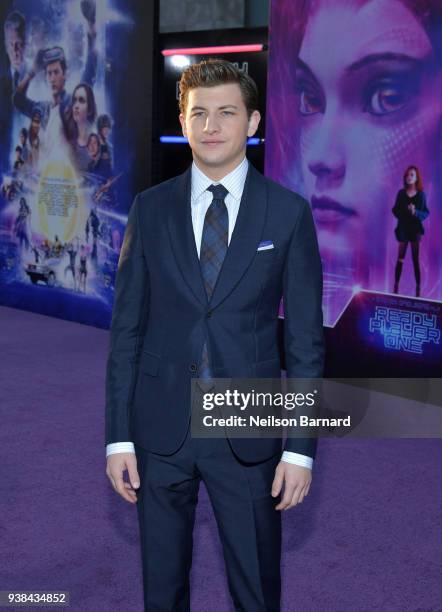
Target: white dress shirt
column 200, row 200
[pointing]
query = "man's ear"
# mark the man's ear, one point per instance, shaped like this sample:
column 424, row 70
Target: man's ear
column 183, row 124
column 254, row 120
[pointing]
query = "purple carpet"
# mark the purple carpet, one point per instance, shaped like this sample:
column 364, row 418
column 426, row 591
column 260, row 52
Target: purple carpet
column 368, row 537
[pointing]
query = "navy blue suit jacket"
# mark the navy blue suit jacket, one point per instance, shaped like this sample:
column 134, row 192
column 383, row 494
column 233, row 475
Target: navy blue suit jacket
column 162, row 315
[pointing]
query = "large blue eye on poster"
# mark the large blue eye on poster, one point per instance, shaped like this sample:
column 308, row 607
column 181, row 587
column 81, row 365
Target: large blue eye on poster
column 66, row 168
column 354, row 101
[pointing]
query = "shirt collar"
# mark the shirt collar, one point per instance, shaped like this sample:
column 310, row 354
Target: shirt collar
column 233, row 182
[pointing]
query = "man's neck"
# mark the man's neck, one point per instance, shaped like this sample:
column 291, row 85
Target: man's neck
column 217, row 173
column 57, row 97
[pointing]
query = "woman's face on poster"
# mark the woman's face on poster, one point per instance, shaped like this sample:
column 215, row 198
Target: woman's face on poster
column 80, row 105
column 411, row 177
column 369, row 105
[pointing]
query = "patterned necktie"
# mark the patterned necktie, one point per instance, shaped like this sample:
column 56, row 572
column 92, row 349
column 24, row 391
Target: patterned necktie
column 213, row 250
column 16, row 78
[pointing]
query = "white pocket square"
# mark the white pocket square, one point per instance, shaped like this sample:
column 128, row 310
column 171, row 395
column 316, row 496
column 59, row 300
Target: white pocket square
column 265, row 245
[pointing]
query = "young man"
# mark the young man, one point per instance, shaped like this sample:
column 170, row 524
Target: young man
column 197, row 294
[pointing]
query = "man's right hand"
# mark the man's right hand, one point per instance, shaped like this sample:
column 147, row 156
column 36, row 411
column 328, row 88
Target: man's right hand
column 116, row 465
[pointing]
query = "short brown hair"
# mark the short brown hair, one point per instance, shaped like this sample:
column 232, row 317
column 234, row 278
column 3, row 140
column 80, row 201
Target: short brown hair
column 212, row 72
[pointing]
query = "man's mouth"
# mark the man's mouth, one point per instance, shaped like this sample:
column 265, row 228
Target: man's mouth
column 212, row 143
column 327, row 211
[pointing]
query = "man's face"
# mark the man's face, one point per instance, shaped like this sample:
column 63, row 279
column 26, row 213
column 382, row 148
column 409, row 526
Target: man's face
column 35, row 124
column 15, row 47
column 217, row 126
column 55, row 77
column 93, row 147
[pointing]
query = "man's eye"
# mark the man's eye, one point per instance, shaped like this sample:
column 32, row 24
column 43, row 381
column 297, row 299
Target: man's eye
column 227, row 113
column 385, row 99
column 198, row 114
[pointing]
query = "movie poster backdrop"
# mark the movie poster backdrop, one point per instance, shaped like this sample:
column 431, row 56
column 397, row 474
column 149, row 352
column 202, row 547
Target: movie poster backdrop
column 354, row 99
column 66, row 168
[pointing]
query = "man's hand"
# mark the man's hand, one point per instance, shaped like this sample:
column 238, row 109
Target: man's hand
column 296, row 480
column 116, row 464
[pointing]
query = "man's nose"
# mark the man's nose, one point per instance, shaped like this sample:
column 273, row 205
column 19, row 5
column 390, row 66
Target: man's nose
column 211, row 124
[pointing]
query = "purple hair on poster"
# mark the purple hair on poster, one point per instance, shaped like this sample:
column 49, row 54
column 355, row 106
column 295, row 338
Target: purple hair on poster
column 354, row 99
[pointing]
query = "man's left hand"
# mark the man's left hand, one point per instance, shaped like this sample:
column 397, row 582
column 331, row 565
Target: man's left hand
column 296, row 480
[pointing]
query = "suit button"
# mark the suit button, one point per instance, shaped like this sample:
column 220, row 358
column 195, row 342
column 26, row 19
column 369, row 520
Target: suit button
column 193, row 367
column 209, row 314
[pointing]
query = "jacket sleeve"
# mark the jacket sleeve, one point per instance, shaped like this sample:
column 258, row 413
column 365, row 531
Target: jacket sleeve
column 128, row 321
column 24, row 104
column 90, row 70
column 303, row 321
column 422, row 212
column 397, row 209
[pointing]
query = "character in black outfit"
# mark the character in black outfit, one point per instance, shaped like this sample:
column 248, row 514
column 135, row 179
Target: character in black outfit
column 82, row 270
column 18, row 163
column 410, row 209
column 21, row 223
column 94, row 223
column 72, row 257
column 34, row 249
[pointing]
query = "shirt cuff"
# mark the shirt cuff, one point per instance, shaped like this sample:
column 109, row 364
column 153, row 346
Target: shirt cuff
column 120, row 447
column 297, row 459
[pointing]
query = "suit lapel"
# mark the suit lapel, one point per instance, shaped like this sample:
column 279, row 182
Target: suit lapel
column 246, row 236
column 182, row 237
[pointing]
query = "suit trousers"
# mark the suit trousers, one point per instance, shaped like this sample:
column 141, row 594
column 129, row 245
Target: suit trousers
column 248, row 524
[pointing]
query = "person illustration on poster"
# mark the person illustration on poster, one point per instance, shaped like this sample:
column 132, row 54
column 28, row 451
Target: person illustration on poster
column 104, row 127
column 18, row 163
column 14, row 32
column 34, row 141
column 55, row 113
column 93, row 147
column 365, row 111
column 410, row 209
column 71, row 267
column 21, row 225
column 82, row 115
column 15, row 45
column 57, row 247
column 34, row 249
column 82, row 270
column 23, row 138
column 93, row 223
